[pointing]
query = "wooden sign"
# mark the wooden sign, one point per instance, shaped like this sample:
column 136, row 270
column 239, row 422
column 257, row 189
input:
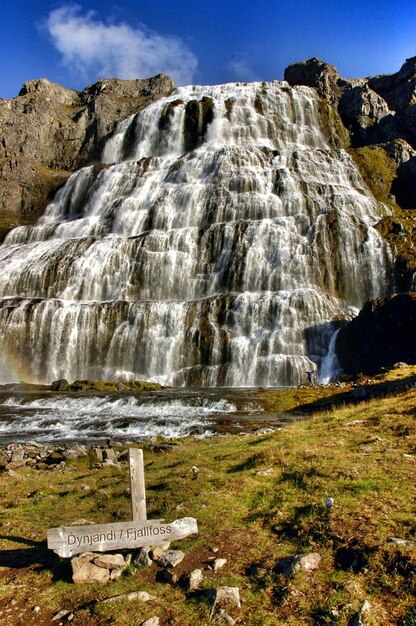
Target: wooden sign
column 69, row 540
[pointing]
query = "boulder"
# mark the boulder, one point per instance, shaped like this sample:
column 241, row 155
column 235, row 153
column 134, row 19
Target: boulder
column 194, row 579
column 60, row 385
column 171, row 558
column 142, row 557
column 288, row 566
column 218, row 564
column 111, row 561
column 227, row 597
column 85, row 571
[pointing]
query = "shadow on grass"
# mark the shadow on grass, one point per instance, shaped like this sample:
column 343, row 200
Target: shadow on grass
column 357, row 395
column 36, row 557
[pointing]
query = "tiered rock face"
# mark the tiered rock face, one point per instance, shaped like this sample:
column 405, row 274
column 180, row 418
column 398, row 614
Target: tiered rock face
column 219, row 241
column 47, row 132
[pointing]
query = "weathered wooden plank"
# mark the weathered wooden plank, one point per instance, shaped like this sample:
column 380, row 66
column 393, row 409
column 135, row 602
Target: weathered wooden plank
column 137, row 486
column 69, row 540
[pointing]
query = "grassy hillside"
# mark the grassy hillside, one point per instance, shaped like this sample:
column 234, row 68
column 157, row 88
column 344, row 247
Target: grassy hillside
column 257, row 498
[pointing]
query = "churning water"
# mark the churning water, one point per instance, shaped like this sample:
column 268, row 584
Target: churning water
column 220, row 241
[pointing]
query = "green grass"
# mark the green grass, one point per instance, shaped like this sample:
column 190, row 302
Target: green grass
column 251, row 518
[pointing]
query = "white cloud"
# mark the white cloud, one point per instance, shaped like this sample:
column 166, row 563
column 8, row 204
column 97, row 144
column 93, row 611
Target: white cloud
column 97, row 50
column 243, row 71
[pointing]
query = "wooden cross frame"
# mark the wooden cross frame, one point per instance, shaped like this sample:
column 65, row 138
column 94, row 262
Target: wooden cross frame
column 69, row 540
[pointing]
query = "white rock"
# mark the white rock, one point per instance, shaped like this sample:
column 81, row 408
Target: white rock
column 266, row 472
column 397, row 541
column 229, row 596
column 142, row 596
column 153, row 621
column 171, row 558
column 111, row 561
column 84, row 571
column 195, row 579
column 156, row 552
column 218, row 564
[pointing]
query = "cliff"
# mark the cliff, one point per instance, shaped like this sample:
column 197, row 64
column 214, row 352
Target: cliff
column 379, row 113
column 47, row 132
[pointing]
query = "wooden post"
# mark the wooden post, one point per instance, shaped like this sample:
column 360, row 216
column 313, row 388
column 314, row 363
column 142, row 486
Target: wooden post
column 137, row 488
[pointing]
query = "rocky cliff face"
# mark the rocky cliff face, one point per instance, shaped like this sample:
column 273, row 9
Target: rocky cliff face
column 47, row 132
column 380, row 115
column 375, row 110
column 382, row 334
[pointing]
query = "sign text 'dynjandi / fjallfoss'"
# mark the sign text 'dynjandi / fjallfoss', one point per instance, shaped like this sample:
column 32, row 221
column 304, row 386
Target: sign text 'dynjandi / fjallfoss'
column 69, row 540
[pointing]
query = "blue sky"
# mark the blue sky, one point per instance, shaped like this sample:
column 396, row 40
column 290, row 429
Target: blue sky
column 203, row 42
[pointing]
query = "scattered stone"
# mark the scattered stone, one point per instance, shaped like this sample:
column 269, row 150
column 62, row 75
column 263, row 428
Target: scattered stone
column 153, row 621
column 218, row 564
column 227, row 597
column 106, row 463
column 99, row 454
column 61, row 615
column 266, row 472
column 222, row 616
column 195, row 579
column 111, row 561
column 60, row 385
column 110, row 455
column 142, row 557
column 142, row 596
column 18, row 456
column 288, row 566
column 55, row 458
column 194, row 471
column 357, row 619
column 85, row 571
column 36, row 609
column 156, row 552
column 329, row 503
column 75, row 451
column 3, row 459
column 397, row 541
column 171, row 558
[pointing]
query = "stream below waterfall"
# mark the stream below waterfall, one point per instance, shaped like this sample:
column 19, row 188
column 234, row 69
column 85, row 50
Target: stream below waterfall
column 125, row 416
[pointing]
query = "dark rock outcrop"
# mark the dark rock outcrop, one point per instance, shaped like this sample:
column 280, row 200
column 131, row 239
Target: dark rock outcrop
column 382, row 334
column 48, row 131
column 198, row 114
column 315, row 73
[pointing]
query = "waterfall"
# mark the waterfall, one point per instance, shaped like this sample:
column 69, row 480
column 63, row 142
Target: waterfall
column 219, row 242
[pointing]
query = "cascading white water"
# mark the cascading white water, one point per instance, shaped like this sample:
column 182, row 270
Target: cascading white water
column 217, row 244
